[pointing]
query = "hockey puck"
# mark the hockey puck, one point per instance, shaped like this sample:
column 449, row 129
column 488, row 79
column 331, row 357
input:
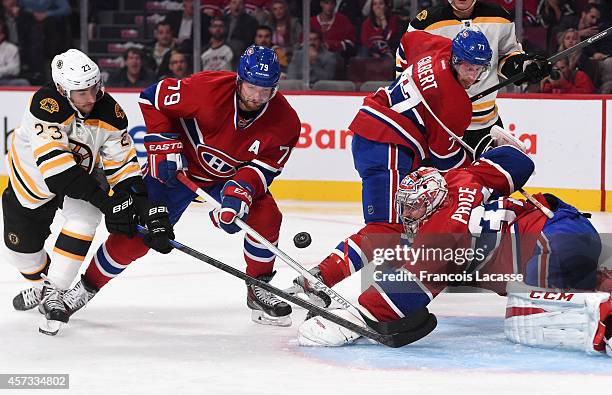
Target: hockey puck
column 302, row 240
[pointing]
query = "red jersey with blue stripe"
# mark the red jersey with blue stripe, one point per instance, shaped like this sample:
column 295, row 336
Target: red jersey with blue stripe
column 218, row 144
column 396, row 114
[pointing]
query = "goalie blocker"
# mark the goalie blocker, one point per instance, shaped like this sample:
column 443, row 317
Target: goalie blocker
column 553, row 318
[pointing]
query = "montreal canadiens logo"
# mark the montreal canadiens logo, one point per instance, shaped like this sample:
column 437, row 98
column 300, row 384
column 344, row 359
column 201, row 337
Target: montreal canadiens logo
column 216, row 162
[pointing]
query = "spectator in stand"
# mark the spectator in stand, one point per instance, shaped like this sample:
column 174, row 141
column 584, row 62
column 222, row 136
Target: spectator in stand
column 550, row 13
column 217, row 55
column 570, row 81
column 286, row 30
column 9, row 60
column 240, row 27
column 21, row 31
column 349, row 8
column 133, row 74
column 164, row 41
column 50, row 32
column 578, row 59
column 588, row 24
column 178, row 65
column 259, row 9
column 337, row 30
column 263, row 37
column 181, row 23
column 323, row 63
column 212, row 8
column 379, row 32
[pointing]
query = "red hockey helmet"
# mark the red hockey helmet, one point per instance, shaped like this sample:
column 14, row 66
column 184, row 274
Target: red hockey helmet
column 419, row 194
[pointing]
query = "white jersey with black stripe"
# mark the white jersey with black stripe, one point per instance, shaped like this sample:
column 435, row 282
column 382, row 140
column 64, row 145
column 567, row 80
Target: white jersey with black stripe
column 51, row 139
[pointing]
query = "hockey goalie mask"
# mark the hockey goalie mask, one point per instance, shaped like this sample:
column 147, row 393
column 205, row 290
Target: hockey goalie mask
column 77, row 77
column 420, row 193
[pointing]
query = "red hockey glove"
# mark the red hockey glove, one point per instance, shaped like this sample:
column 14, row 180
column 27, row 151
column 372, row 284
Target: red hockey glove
column 236, row 199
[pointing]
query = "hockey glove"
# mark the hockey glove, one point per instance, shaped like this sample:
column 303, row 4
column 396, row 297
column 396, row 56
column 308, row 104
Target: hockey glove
column 119, row 212
column 160, row 230
column 164, row 154
column 236, row 199
column 536, row 68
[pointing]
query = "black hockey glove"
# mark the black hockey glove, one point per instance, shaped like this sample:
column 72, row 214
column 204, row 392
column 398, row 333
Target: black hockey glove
column 538, row 69
column 119, row 212
column 535, row 67
column 160, row 230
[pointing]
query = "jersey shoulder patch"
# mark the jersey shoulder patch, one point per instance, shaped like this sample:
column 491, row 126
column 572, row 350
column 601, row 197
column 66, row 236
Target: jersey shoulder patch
column 48, row 105
column 432, row 15
column 110, row 112
column 484, row 10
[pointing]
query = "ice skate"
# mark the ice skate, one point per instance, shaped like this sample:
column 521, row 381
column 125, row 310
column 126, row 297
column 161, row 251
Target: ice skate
column 266, row 308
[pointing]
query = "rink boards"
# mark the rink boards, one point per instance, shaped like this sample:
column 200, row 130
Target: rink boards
column 564, row 134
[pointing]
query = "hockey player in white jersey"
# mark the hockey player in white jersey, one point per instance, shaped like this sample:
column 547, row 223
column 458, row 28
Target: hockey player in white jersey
column 72, row 146
column 508, row 59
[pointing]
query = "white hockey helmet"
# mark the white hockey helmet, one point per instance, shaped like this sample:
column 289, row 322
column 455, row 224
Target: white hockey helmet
column 419, row 195
column 73, row 70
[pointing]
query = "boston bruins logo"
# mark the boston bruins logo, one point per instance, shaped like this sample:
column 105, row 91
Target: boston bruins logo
column 422, row 15
column 119, row 111
column 82, row 155
column 13, row 238
column 49, row 105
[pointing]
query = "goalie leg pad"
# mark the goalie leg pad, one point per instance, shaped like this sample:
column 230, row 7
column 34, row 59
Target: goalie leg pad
column 318, row 331
column 553, row 318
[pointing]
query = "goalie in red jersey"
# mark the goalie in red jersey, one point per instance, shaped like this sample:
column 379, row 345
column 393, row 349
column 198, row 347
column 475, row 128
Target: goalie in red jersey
column 463, row 230
column 235, row 132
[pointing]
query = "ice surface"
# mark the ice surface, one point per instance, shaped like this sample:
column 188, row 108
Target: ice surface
column 172, row 324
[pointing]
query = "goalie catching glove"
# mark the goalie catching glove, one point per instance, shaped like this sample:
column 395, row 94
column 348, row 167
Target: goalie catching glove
column 165, row 158
column 236, row 199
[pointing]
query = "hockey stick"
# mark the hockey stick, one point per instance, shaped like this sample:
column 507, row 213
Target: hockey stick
column 552, row 59
column 391, row 340
column 458, row 139
column 315, row 282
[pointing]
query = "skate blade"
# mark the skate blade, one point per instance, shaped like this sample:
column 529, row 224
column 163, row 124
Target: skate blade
column 50, row 327
column 262, row 318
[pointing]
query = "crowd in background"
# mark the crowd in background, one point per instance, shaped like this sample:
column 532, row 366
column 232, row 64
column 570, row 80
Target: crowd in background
column 342, row 32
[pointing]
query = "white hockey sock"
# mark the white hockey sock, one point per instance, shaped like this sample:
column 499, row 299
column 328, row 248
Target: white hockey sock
column 30, row 265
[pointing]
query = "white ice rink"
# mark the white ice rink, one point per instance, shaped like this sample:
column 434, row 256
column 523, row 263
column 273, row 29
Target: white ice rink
column 174, row 325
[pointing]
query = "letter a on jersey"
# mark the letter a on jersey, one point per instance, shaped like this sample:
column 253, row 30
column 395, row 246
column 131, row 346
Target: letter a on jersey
column 254, row 148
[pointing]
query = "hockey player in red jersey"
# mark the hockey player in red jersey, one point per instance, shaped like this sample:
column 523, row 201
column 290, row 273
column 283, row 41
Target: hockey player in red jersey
column 460, row 232
column 394, row 133
column 236, row 133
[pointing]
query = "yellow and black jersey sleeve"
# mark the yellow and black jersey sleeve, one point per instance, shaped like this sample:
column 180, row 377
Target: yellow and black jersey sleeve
column 109, row 113
column 49, row 106
column 117, row 153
